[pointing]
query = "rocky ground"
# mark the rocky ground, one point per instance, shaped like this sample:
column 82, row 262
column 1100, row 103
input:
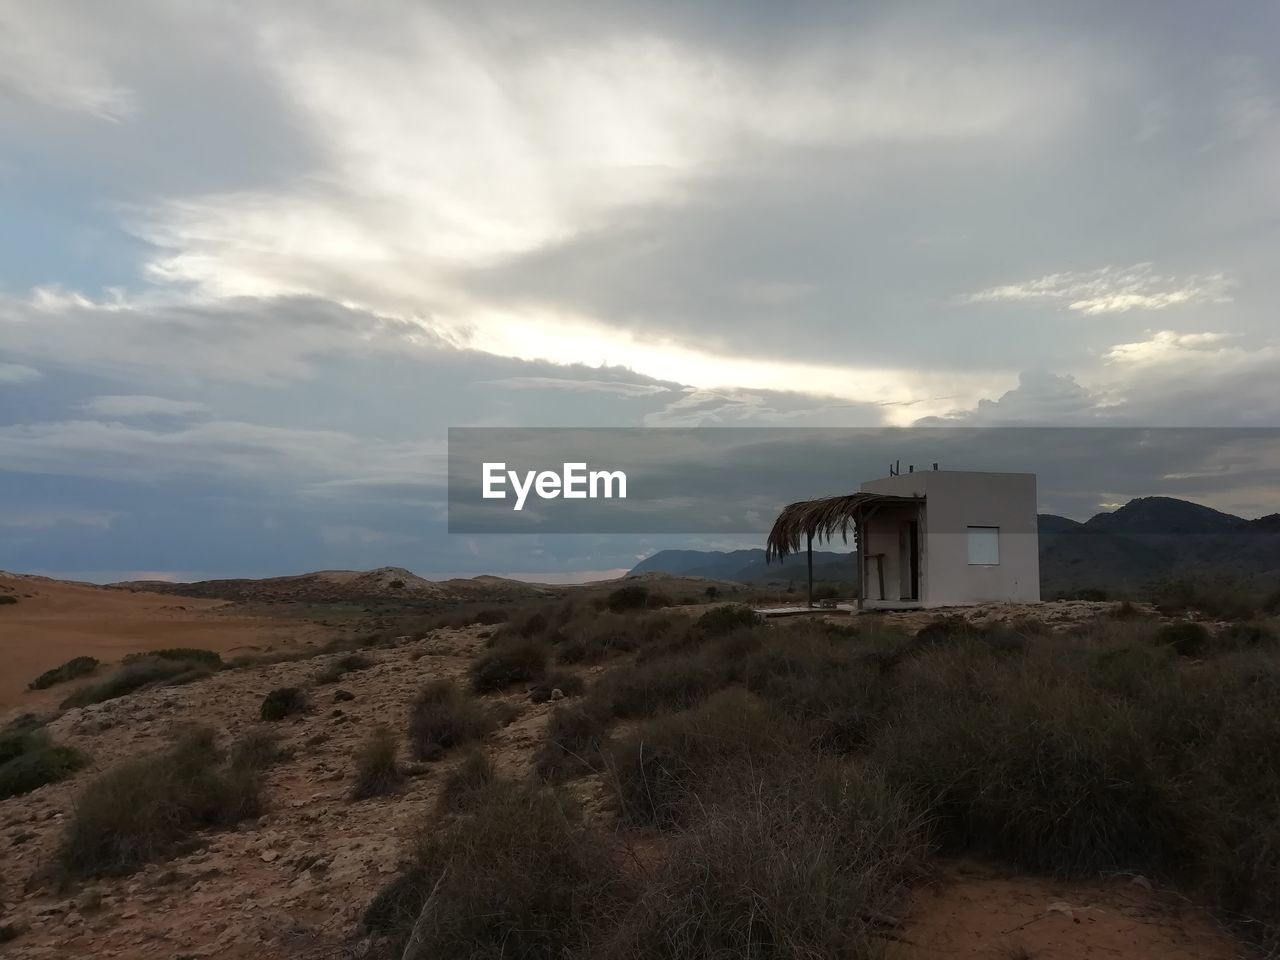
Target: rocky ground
column 293, row 883
column 289, row 884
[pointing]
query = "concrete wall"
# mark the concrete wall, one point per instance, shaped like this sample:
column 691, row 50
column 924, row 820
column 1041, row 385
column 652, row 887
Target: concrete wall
column 956, row 500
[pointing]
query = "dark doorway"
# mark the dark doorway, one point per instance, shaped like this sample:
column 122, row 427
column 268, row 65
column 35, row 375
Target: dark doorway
column 909, row 560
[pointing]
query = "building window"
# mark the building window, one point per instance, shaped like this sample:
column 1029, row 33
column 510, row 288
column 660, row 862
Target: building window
column 984, row 546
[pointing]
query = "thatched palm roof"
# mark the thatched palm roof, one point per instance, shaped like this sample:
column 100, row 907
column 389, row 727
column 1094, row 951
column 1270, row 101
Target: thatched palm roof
column 820, row 520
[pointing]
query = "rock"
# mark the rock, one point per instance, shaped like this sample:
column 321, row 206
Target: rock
column 268, row 856
column 1142, row 882
column 1063, row 908
column 343, row 695
column 557, row 694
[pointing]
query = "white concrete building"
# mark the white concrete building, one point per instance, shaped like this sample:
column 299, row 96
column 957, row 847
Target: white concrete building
column 935, row 538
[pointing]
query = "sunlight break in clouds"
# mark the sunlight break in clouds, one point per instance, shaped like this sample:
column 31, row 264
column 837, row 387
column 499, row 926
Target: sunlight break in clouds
column 1113, row 290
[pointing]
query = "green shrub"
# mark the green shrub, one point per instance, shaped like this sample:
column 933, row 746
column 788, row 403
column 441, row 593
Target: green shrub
column 1189, row 639
column 520, row 878
column 1219, row 600
column 575, row 737
column 569, row 684
column 1126, row 610
column 1271, row 603
column 467, row 784
column 339, row 667
column 635, row 596
column 29, row 759
column 73, row 669
column 1091, row 594
column 205, row 658
column 510, row 662
column 647, row 688
column 596, row 637
column 256, row 749
column 1245, row 636
column 283, row 702
column 1025, row 760
column 808, row 863
column 658, row 770
column 726, row 619
column 378, row 772
column 146, row 809
column 139, row 674
column 443, row 717
column 19, row 736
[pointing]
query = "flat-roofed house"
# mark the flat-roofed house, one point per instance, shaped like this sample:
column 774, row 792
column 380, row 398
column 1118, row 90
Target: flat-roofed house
column 929, row 538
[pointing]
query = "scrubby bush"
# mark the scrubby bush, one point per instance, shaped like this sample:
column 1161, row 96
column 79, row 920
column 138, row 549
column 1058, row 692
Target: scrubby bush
column 1189, row 639
column 339, row 667
column 146, row 809
column 520, row 878
column 1090, row 594
column 807, row 862
column 726, row 619
column 30, row 759
column 378, row 771
column 139, row 674
column 283, row 702
column 659, row 769
column 193, row 655
column 257, row 749
column 1126, row 610
column 467, row 784
column 569, row 684
column 575, row 737
column 670, row 683
column 1271, row 603
column 635, row 596
column 1221, row 600
column 443, row 717
column 7, row 599
column 599, row 636
column 1246, row 636
column 1022, row 767
column 73, row 669
column 510, row 662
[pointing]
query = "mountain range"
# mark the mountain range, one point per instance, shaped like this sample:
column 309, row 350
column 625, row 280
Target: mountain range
column 1146, row 540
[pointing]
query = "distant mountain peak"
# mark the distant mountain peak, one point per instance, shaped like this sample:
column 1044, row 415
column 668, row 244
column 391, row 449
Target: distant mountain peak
column 1165, row 515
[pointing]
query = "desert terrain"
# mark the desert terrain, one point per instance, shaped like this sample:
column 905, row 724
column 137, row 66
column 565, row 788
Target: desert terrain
column 56, row 620
column 296, row 876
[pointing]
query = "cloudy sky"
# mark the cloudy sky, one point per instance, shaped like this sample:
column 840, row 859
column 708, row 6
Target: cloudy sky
column 259, row 256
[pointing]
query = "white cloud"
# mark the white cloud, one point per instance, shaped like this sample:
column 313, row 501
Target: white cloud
column 1164, row 346
column 137, row 405
column 1113, row 290
column 618, row 387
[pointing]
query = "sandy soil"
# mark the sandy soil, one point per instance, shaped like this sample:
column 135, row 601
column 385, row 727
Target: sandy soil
column 54, row 621
column 984, row 911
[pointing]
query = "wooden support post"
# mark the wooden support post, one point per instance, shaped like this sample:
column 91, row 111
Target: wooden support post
column 809, row 550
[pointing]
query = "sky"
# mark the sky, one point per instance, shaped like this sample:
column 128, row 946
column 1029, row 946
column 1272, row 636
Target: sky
column 256, row 258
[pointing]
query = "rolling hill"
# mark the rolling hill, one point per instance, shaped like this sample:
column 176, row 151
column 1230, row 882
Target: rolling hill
column 1146, row 540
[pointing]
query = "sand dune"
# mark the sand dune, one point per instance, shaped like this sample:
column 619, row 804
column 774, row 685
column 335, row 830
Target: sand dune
column 55, row 620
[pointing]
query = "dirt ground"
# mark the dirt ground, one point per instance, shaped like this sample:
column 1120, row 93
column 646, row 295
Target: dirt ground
column 54, row 621
column 979, row 910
